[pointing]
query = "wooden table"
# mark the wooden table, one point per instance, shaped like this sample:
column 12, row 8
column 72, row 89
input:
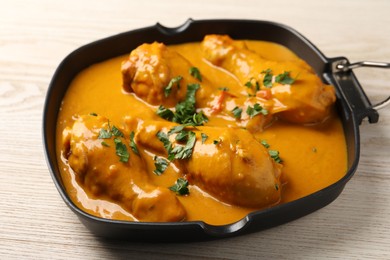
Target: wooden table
column 36, row 35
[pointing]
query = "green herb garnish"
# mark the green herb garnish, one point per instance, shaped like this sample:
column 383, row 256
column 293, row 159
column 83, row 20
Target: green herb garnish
column 204, row 137
column 196, row 73
column 133, row 145
column 116, row 132
column 237, row 112
column 267, row 80
column 165, row 113
column 163, row 137
column 161, row 165
column 185, row 112
column 275, row 155
column 105, row 134
column 248, row 84
column 265, row 143
column 284, row 78
column 121, row 150
column 180, row 187
column 184, row 152
column 105, row 144
column 255, row 110
column 175, row 80
column 217, row 141
column 93, row 114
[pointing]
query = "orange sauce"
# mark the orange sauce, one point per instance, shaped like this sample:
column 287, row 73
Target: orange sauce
column 314, row 157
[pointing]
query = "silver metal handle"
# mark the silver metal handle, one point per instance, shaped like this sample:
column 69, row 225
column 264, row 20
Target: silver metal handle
column 344, row 65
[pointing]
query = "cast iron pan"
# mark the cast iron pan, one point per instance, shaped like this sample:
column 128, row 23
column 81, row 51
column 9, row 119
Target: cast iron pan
column 352, row 105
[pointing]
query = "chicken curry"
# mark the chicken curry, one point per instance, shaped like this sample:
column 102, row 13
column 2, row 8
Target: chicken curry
column 206, row 131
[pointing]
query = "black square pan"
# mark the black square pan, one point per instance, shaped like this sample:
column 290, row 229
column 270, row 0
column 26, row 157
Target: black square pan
column 352, row 105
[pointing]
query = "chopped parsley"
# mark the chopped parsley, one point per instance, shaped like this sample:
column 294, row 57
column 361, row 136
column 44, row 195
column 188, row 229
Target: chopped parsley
column 175, row 80
column 276, row 186
column 185, row 112
column 121, row 150
column 180, row 187
column 116, row 132
column 267, row 80
column 284, row 78
column 165, row 113
column 275, row 155
column 195, row 73
column 178, row 151
column 133, row 145
column 93, row 114
column 183, row 152
column 265, row 143
column 105, row 144
column 255, row 110
column 237, row 112
column 248, row 84
column 217, row 141
column 161, row 165
column 105, row 134
column 204, row 137
column 163, row 137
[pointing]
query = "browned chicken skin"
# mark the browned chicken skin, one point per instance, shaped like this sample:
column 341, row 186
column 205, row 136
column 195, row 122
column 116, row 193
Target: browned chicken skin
column 307, row 100
column 99, row 171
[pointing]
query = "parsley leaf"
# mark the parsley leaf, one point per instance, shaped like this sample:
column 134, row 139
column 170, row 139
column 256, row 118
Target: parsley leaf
column 163, row 137
column 237, row 112
column 184, row 152
column 104, row 134
column 224, row 89
column 204, row 137
column 284, row 78
column 257, row 86
column 105, row 144
column 133, row 145
column 176, row 129
column 175, row 80
column 275, row 155
column 248, row 84
column 255, row 110
column 161, row 165
column 116, row 132
column 180, row 187
column 217, row 141
column 165, row 113
column 121, row 150
column 196, row 73
column 267, row 80
column 93, row 114
column 265, row 143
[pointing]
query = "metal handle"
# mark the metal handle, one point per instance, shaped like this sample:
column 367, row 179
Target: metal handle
column 344, row 66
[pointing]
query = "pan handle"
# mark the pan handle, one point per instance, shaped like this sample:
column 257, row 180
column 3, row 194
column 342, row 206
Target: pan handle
column 350, row 88
column 343, row 65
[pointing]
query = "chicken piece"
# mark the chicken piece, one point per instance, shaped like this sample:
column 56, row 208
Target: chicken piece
column 100, row 172
column 307, row 100
column 230, row 164
column 150, row 69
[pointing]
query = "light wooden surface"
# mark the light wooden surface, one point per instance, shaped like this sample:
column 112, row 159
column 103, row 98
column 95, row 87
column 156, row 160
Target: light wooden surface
column 36, row 35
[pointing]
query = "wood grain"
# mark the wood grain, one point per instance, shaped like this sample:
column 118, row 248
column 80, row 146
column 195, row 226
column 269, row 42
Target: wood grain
column 36, row 35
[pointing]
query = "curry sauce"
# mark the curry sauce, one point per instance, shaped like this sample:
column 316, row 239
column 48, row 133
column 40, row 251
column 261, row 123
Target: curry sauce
column 309, row 138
